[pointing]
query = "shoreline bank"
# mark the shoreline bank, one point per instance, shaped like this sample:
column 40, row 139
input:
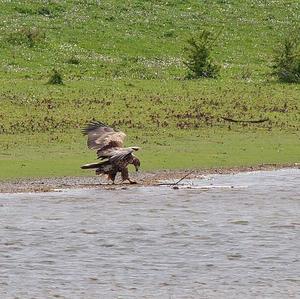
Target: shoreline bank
column 143, row 179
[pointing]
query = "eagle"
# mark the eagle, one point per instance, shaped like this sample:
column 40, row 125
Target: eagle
column 108, row 142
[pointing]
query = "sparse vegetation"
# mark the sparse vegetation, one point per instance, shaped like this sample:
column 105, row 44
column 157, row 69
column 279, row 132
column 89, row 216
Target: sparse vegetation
column 26, row 36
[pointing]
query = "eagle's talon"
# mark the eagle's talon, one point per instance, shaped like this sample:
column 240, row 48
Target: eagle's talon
column 132, row 182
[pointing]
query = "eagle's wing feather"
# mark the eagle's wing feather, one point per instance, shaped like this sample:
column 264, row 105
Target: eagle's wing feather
column 120, row 154
column 102, row 137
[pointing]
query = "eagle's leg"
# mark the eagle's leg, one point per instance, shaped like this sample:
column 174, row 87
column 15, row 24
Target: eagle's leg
column 125, row 176
column 112, row 176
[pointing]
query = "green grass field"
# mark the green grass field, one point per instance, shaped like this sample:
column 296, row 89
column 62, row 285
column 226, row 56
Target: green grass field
column 122, row 63
column 59, row 154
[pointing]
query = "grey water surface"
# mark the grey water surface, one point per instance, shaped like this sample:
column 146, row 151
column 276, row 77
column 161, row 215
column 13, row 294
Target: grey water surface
column 237, row 237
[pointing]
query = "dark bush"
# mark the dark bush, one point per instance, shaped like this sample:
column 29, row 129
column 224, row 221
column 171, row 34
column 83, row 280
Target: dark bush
column 56, row 78
column 44, row 11
column 73, row 60
column 286, row 63
column 199, row 61
column 51, row 9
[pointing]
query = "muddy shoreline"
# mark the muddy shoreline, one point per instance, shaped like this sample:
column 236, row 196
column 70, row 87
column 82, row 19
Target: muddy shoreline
column 142, row 178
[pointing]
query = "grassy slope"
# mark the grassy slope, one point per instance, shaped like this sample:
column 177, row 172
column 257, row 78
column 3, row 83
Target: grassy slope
column 139, row 39
column 128, row 72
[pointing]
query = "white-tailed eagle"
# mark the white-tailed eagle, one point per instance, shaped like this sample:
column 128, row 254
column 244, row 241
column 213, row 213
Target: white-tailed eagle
column 108, row 143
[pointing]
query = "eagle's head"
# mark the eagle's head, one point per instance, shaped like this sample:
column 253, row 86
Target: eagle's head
column 136, row 162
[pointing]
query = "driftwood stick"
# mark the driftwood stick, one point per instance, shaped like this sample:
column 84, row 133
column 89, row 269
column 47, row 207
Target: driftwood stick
column 183, row 178
column 174, row 184
column 245, row 121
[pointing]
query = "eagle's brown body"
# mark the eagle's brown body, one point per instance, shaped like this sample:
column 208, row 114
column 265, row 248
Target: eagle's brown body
column 109, row 145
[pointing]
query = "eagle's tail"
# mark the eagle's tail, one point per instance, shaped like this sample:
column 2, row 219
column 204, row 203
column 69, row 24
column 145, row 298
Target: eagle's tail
column 91, row 165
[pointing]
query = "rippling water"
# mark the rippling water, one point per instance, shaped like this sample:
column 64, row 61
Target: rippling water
column 237, row 238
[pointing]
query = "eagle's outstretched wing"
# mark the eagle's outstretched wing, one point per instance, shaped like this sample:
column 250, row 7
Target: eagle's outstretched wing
column 107, row 141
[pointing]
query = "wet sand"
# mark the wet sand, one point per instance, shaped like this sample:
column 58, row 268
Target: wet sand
column 142, row 178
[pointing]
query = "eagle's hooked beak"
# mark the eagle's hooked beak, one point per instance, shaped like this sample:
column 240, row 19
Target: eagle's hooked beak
column 136, row 168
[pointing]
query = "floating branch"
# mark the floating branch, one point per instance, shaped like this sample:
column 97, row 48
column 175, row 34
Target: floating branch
column 245, row 121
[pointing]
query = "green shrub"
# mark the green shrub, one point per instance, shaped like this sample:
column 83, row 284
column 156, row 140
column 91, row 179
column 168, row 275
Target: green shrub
column 286, row 63
column 199, row 61
column 56, row 78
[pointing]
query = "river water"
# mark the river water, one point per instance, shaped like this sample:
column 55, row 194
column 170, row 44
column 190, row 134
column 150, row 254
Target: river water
column 229, row 236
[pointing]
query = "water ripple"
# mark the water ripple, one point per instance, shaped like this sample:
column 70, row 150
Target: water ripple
column 238, row 238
